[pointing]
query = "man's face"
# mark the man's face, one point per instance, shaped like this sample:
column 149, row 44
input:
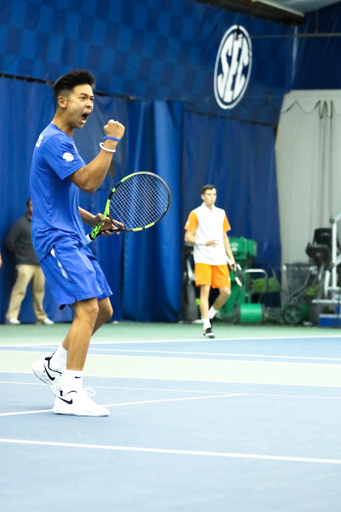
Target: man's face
column 78, row 104
column 209, row 197
column 29, row 209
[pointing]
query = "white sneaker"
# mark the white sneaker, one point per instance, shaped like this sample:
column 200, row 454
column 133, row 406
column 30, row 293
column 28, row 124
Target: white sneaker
column 12, row 321
column 46, row 321
column 78, row 403
column 53, row 378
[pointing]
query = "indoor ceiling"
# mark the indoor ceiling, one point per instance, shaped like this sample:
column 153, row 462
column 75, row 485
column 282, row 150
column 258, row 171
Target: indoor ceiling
column 305, row 5
column 291, row 12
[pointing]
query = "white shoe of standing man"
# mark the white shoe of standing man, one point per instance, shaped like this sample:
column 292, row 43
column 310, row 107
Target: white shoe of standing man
column 12, row 321
column 46, row 321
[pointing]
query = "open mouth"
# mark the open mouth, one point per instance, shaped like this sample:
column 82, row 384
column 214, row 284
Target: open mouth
column 85, row 116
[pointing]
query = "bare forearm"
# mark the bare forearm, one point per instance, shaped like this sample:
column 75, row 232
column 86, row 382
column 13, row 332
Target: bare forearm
column 228, row 249
column 86, row 217
column 190, row 238
column 90, row 177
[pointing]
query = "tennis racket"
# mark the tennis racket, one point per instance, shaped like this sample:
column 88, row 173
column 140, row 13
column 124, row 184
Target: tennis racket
column 238, row 273
column 137, row 202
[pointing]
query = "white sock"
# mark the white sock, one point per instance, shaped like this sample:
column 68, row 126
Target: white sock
column 73, row 381
column 212, row 312
column 58, row 359
column 207, row 323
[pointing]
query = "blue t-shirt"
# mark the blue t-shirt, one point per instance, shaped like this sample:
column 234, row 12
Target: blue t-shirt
column 54, row 196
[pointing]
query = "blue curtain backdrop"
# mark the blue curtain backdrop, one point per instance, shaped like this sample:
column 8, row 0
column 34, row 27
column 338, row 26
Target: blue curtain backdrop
column 239, row 159
column 315, row 60
column 152, row 258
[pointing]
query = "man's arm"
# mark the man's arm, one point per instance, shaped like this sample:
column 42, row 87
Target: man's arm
column 229, row 252
column 108, row 228
column 12, row 237
column 190, row 238
column 87, row 217
column 90, row 177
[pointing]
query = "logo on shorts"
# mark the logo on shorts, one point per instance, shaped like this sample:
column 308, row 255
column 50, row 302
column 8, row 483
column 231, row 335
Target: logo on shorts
column 233, row 67
column 68, row 157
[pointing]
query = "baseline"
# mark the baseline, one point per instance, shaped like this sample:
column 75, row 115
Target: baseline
column 174, row 452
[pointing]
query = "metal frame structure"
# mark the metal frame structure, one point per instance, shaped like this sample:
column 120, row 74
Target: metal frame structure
column 331, row 291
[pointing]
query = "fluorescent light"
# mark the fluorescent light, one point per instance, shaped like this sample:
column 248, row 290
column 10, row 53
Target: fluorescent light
column 279, row 7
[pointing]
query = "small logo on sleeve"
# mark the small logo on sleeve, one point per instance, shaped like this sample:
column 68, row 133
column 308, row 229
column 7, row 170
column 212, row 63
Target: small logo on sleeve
column 39, row 140
column 68, row 157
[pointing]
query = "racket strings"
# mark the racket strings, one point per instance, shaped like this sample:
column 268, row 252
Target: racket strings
column 139, row 201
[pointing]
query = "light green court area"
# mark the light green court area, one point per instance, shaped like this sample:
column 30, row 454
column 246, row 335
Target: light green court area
column 138, row 332
column 181, row 367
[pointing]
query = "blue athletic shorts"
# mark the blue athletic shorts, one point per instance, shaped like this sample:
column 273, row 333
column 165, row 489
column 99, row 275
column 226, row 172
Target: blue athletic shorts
column 73, row 273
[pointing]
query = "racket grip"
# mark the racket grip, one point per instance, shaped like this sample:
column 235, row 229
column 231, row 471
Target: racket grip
column 88, row 239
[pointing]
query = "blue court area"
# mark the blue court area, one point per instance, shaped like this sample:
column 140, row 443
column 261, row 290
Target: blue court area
column 249, row 421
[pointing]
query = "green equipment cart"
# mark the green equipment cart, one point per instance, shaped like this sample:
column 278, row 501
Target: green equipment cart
column 244, row 252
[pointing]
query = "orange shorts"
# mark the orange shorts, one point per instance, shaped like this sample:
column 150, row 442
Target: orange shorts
column 218, row 276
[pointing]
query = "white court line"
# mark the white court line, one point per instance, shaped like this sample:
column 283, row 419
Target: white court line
column 132, row 403
column 185, row 340
column 228, row 360
column 217, row 354
column 21, row 413
column 212, row 359
column 121, row 377
column 175, row 400
column 213, row 392
column 174, row 452
column 199, row 339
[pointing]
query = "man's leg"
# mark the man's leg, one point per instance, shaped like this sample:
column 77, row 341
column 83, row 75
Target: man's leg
column 77, row 340
column 73, row 399
column 52, row 369
column 71, row 354
column 204, row 295
column 38, row 285
column 68, row 273
column 58, row 359
column 104, row 314
column 24, row 275
column 220, row 279
column 224, row 294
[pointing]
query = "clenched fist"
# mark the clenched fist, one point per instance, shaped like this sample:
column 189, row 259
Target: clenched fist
column 114, row 129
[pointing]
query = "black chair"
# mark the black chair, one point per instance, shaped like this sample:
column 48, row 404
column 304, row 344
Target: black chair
column 320, row 250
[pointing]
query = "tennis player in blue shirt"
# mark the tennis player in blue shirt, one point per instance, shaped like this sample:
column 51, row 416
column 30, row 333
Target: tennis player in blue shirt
column 70, row 268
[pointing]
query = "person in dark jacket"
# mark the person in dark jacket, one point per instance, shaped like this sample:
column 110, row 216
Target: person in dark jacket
column 19, row 242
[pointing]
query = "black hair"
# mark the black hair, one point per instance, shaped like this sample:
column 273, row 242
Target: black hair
column 206, row 187
column 70, row 80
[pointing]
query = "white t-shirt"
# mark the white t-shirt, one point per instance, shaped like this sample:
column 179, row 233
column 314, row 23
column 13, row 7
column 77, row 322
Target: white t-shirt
column 208, row 225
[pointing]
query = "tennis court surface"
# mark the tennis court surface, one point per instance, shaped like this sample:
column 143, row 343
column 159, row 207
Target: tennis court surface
column 250, row 421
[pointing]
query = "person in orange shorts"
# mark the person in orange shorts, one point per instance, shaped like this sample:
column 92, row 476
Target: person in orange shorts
column 206, row 229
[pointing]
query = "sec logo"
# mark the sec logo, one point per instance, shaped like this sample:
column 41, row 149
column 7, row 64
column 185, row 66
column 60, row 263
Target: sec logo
column 233, row 67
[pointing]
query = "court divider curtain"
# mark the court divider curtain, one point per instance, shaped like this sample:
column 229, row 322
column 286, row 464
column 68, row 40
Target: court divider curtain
column 152, row 258
column 238, row 158
column 308, row 153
